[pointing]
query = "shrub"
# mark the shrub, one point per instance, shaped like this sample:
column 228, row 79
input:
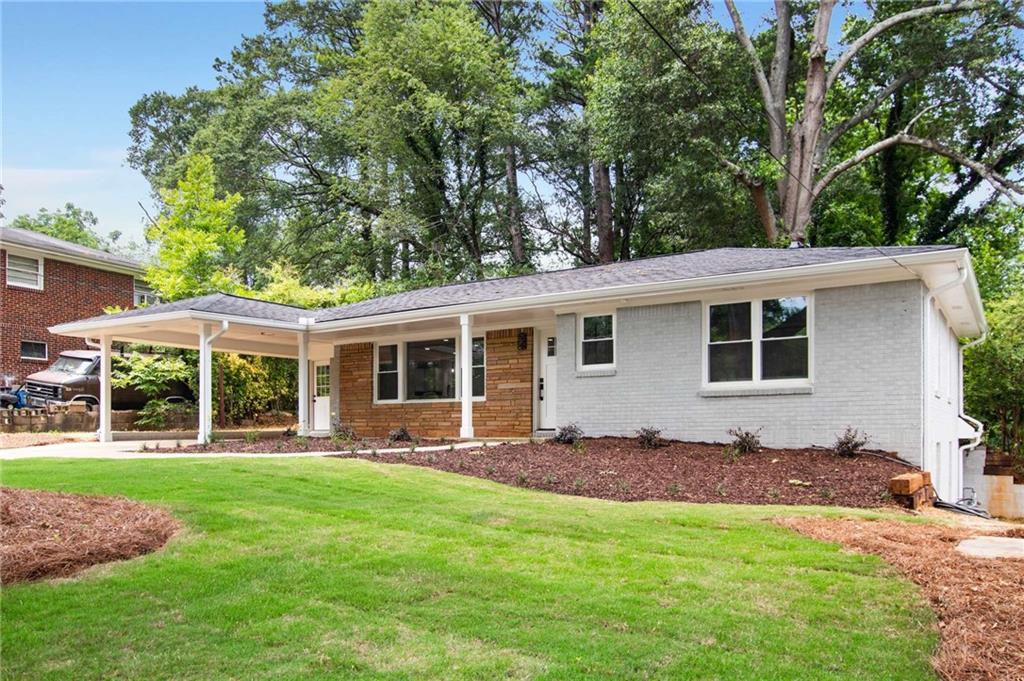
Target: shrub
column 745, row 441
column 580, row 447
column 400, row 434
column 648, row 437
column 302, row 441
column 568, row 434
column 344, row 434
column 252, row 437
column 156, row 412
column 849, row 442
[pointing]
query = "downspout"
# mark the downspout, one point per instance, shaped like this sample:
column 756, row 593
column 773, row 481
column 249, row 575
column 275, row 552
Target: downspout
column 927, row 327
column 979, row 428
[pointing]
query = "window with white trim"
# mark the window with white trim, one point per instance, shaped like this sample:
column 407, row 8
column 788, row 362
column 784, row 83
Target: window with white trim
column 597, row 341
column 479, row 367
column 24, row 271
column 143, row 293
column 33, row 350
column 322, row 380
column 387, row 373
column 756, row 341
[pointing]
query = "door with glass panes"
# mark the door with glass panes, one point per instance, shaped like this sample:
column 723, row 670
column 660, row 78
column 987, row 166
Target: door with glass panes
column 322, row 396
column 547, row 379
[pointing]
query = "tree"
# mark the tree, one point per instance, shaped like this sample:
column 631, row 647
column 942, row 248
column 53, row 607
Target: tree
column 69, row 224
column 196, row 237
column 994, row 386
column 801, row 129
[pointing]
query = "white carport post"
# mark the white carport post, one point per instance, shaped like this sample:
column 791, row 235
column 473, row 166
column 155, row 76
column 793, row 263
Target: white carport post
column 303, row 338
column 206, row 339
column 466, row 365
column 104, row 434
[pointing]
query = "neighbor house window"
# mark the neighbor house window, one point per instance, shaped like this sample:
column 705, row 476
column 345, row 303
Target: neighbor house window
column 597, row 340
column 33, row 350
column 759, row 340
column 430, row 369
column 479, row 367
column 387, row 372
column 24, row 272
column 144, row 294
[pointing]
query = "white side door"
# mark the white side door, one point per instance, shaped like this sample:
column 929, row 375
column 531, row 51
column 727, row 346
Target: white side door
column 322, row 396
column 547, row 380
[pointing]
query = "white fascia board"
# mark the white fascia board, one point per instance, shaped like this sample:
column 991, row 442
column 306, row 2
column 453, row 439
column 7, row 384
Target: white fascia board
column 882, row 262
column 96, row 325
column 92, row 263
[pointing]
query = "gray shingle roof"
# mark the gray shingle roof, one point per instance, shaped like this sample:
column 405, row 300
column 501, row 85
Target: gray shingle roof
column 58, row 247
column 218, row 303
column 654, row 270
column 678, row 267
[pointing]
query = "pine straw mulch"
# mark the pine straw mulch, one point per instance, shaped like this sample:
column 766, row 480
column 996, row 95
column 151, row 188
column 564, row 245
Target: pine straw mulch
column 619, row 469
column 979, row 601
column 51, row 534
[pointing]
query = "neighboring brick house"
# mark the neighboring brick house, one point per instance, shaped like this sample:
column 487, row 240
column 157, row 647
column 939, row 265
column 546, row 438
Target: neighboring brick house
column 797, row 343
column 46, row 281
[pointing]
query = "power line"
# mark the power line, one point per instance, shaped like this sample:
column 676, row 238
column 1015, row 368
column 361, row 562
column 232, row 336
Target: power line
column 693, row 72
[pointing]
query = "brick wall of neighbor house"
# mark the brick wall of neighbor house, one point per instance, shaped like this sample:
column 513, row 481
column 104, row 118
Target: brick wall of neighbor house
column 507, row 411
column 867, row 374
column 70, row 292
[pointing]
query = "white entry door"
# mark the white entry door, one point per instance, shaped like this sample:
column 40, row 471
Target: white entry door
column 547, row 383
column 322, row 396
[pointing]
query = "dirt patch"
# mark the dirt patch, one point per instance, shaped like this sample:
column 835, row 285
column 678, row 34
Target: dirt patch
column 49, row 534
column 979, row 602
column 12, row 440
column 617, row 468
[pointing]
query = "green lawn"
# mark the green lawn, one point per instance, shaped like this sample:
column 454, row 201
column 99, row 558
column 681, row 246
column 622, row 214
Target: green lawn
column 295, row 568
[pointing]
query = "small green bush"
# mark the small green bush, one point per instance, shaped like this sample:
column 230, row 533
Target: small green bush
column 400, row 434
column 745, row 441
column 252, row 437
column 568, row 434
column 649, row 438
column 850, row 442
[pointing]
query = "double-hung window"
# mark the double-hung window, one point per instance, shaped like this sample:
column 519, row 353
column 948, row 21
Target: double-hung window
column 479, row 367
column 764, row 340
column 597, row 341
column 25, row 272
column 387, row 373
column 143, row 293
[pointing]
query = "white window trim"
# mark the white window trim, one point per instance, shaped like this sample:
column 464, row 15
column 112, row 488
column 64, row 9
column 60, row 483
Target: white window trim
column 40, row 278
column 46, row 351
column 148, row 298
column 401, row 341
column 755, row 339
column 580, row 366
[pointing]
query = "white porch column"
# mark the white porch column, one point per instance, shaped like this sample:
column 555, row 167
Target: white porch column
column 466, row 361
column 303, row 383
column 205, row 381
column 104, row 434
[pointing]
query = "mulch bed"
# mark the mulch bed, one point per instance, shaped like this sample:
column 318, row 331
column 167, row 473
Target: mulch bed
column 292, row 444
column 979, row 602
column 50, row 534
column 617, row 468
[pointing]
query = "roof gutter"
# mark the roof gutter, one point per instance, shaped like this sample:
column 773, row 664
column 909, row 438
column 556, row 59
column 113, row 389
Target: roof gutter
column 94, row 263
column 71, row 328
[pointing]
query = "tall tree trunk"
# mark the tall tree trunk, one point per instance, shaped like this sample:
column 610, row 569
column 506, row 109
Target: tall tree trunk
column 892, row 178
column 603, row 212
column 515, row 220
column 799, row 196
column 623, row 217
column 586, row 201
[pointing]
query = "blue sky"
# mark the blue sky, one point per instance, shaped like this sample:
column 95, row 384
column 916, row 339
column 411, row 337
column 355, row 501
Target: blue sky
column 70, row 72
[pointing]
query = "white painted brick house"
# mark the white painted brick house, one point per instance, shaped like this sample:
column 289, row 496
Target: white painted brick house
column 800, row 343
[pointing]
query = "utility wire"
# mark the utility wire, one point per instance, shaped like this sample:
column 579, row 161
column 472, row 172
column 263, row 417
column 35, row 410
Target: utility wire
column 693, row 72
column 736, row 118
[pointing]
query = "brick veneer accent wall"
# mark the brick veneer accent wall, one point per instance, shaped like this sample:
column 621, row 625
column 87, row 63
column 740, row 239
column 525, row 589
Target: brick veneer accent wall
column 70, row 292
column 507, row 411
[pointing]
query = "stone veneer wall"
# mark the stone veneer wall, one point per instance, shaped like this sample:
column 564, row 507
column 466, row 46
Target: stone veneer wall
column 507, row 411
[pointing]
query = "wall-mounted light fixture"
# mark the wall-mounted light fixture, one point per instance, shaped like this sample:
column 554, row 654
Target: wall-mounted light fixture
column 522, row 340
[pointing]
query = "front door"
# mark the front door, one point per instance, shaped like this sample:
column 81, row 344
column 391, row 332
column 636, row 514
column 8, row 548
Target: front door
column 322, row 396
column 547, row 383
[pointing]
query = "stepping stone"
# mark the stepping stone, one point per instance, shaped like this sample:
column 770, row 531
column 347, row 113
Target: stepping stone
column 992, row 547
